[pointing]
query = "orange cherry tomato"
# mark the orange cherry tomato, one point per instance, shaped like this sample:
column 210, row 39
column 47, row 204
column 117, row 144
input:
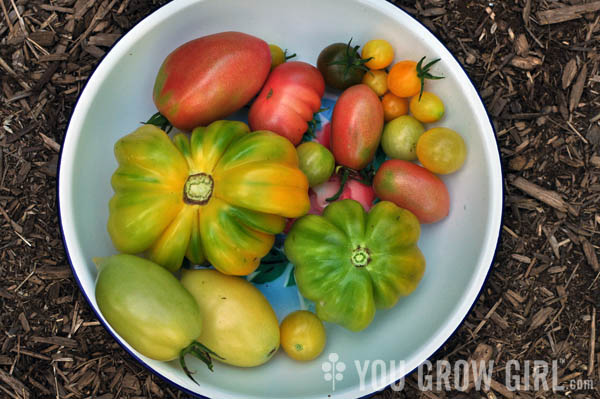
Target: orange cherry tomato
column 302, row 335
column 393, row 106
column 406, row 78
column 428, row 108
column 380, row 51
column 376, row 80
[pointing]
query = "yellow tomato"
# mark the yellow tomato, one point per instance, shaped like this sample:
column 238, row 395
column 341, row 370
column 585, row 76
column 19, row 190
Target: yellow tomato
column 427, row 109
column 381, row 52
column 239, row 324
column 302, row 335
column 376, row 80
column 441, row 150
column 393, row 106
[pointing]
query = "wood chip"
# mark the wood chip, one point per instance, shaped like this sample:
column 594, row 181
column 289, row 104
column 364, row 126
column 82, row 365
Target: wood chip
column 17, row 386
column 569, row 73
column 540, row 317
column 577, row 90
column 592, row 344
column 562, row 14
column 590, row 254
column 526, row 63
column 60, row 341
column 522, row 46
column 548, row 197
column 50, row 142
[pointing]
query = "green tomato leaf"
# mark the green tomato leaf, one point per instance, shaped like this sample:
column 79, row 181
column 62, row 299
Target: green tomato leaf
column 271, row 267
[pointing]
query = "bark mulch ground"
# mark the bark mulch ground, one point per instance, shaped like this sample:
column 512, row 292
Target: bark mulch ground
column 536, row 66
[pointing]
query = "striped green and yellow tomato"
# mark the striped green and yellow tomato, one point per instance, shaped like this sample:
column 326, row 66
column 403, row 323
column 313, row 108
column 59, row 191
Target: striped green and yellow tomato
column 219, row 196
column 350, row 262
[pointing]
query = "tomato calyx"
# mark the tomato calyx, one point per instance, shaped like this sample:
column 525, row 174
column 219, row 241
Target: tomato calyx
column 199, row 351
column 159, row 120
column 346, row 174
column 361, row 256
column 314, row 123
column 423, row 73
column 198, row 189
column 352, row 60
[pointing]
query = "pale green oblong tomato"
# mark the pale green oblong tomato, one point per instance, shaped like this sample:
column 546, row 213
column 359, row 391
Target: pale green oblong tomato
column 400, row 136
column 316, row 162
column 147, row 306
column 350, row 262
column 238, row 322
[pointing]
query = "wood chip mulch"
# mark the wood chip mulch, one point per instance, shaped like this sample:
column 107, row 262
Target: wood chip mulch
column 535, row 64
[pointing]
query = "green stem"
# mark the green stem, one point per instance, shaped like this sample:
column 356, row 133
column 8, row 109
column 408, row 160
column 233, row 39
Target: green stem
column 199, row 351
column 344, row 179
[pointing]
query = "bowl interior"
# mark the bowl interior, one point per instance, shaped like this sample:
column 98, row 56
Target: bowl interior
column 458, row 250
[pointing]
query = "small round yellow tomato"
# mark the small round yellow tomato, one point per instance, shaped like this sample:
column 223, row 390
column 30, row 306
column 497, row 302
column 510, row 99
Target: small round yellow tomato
column 277, row 55
column 381, row 52
column 441, row 150
column 302, row 335
column 376, row 80
column 393, row 106
column 427, row 109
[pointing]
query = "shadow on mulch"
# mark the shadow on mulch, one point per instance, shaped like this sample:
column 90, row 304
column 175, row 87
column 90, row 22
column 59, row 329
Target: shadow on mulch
column 537, row 71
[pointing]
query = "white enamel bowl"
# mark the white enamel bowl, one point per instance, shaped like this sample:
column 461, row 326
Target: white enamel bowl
column 459, row 250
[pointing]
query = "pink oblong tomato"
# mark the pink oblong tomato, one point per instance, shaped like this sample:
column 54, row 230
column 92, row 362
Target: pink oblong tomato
column 208, row 78
column 412, row 187
column 288, row 100
column 356, row 126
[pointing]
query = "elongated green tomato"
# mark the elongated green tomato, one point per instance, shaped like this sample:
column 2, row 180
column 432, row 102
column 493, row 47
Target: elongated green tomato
column 400, row 136
column 302, row 335
column 427, row 108
column 441, row 150
column 149, row 308
column 350, row 262
column 238, row 322
column 316, row 162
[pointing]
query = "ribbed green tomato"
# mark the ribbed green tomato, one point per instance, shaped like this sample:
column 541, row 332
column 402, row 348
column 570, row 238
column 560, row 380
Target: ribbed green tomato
column 220, row 195
column 350, row 262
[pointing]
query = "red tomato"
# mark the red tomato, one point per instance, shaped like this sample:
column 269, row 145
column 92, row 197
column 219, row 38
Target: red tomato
column 208, row 78
column 356, row 126
column 353, row 189
column 412, row 187
column 323, row 136
column 288, row 100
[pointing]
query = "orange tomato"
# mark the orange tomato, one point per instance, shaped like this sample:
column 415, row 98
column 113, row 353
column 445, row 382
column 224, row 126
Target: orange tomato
column 428, row 108
column 406, row 78
column 302, row 335
column 393, row 106
column 376, row 80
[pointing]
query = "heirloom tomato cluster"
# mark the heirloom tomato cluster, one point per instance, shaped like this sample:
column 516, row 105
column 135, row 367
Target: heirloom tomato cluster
column 205, row 199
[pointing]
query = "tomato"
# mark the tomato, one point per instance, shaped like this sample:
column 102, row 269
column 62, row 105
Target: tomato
column 302, row 335
column 278, row 56
column 407, row 78
column 441, row 150
column 323, row 135
column 412, row 187
column 288, row 100
column 400, row 136
column 380, row 52
column 356, row 125
column 316, row 162
column 428, row 108
column 393, row 106
column 353, row 189
column 341, row 65
column 377, row 81
column 149, row 308
column 239, row 323
column 209, row 78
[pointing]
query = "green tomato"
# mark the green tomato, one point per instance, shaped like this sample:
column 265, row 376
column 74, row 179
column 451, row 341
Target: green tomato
column 149, row 308
column 316, row 162
column 400, row 137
